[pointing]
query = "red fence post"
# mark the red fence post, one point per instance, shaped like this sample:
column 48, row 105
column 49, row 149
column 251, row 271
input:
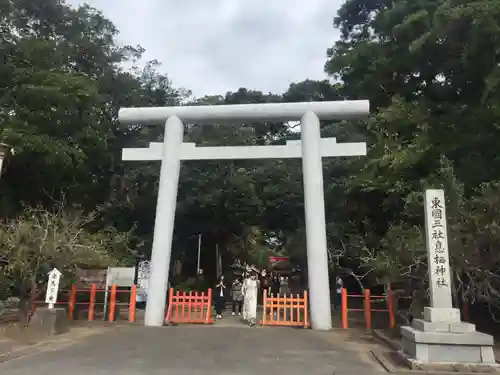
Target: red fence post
column 208, row 318
column 168, row 315
column 93, row 290
column 112, row 304
column 306, row 311
column 368, row 311
column 190, row 304
column 131, row 307
column 345, row 323
column 72, row 302
column 264, row 302
column 390, row 308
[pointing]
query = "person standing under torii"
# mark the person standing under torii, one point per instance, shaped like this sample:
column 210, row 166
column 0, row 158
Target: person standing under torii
column 250, row 291
column 220, row 297
column 237, row 297
column 274, row 287
column 339, row 285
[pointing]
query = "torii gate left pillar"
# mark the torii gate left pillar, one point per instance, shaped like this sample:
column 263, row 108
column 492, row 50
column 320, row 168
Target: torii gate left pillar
column 312, row 149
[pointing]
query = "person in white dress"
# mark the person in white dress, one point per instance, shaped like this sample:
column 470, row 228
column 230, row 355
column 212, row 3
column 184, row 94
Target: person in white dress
column 245, row 310
column 339, row 284
column 250, row 291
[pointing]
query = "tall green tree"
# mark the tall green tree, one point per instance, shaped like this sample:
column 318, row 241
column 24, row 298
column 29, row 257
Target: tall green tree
column 429, row 69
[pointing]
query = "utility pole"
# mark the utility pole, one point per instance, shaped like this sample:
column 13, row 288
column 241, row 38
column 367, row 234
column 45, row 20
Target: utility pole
column 199, row 255
column 218, row 262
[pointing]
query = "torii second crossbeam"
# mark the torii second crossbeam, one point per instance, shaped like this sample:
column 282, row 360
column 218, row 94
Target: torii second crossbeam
column 292, row 149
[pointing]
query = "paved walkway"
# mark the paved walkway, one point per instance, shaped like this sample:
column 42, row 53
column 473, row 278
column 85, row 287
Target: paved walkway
column 207, row 350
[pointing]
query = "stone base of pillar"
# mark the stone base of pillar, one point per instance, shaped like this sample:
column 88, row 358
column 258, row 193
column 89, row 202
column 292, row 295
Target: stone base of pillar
column 49, row 322
column 438, row 345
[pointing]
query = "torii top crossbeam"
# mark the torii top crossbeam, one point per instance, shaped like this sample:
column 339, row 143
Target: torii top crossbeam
column 338, row 110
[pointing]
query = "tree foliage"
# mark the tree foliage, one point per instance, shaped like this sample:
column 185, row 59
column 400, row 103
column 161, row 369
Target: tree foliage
column 428, row 68
column 37, row 241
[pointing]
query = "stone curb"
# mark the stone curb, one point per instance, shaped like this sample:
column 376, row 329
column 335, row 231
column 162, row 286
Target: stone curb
column 396, row 346
column 391, row 368
column 387, row 340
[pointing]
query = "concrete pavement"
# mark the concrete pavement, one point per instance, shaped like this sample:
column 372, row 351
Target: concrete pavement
column 209, row 350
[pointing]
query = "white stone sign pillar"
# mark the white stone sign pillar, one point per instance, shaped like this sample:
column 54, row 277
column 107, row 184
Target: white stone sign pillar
column 441, row 308
column 441, row 338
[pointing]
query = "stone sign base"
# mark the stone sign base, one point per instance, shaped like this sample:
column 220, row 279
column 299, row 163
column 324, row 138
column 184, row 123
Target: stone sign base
column 445, row 341
column 447, row 367
column 49, row 321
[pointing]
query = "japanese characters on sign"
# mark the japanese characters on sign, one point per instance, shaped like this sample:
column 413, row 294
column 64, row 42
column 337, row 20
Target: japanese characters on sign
column 143, row 272
column 52, row 287
column 437, row 243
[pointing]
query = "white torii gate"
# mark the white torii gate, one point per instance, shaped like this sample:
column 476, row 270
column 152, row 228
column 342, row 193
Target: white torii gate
column 311, row 148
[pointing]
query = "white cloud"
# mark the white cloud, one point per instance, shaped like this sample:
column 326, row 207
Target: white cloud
column 215, row 46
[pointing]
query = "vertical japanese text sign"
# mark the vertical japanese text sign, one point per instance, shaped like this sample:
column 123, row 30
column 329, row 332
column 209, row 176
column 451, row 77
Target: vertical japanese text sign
column 437, row 249
column 52, row 287
column 143, row 271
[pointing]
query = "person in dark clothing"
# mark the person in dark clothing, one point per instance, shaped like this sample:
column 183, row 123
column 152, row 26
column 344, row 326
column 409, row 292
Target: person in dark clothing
column 237, row 297
column 274, row 287
column 220, row 297
column 274, row 290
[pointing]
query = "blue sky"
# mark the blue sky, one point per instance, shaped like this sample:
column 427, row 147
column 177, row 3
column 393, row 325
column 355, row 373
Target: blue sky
column 215, row 46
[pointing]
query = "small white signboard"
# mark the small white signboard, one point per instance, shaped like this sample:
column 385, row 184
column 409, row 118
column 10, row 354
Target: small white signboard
column 52, row 287
column 437, row 249
column 143, row 271
column 120, row 276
